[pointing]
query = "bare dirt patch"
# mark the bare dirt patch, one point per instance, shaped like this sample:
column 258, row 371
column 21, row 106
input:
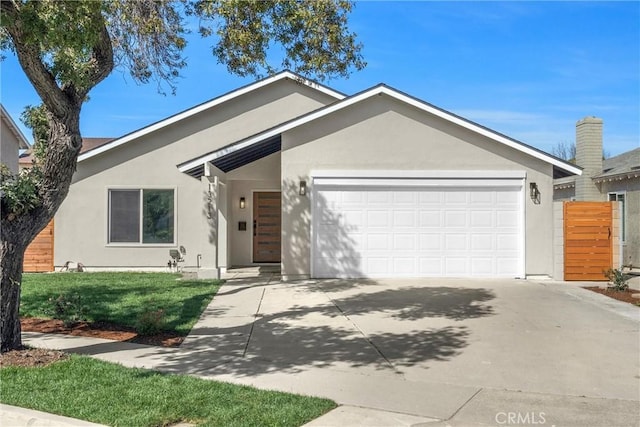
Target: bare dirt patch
column 100, row 330
column 30, row 357
column 624, row 296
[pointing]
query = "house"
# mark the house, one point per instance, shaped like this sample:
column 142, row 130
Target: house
column 613, row 179
column 39, row 255
column 11, row 142
column 287, row 171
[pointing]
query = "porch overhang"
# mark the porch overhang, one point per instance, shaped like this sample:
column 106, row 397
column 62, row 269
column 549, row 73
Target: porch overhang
column 233, row 156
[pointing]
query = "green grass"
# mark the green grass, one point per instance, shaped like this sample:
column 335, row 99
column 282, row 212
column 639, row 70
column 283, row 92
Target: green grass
column 120, row 297
column 110, row 394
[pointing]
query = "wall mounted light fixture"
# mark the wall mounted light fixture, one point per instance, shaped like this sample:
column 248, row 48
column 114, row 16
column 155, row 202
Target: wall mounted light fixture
column 534, row 193
column 243, row 203
column 303, row 188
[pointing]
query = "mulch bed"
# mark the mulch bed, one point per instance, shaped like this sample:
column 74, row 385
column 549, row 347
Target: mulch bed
column 624, row 296
column 30, row 357
column 100, row 330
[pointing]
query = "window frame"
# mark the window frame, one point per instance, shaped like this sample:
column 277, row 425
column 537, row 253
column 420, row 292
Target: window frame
column 140, row 243
column 623, row 215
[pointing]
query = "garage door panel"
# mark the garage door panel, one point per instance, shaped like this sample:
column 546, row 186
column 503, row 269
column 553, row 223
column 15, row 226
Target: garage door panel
column 456, row 266
column 430, row 242
column 481, row 198
column 404, row 219
column 431, row 266
column 378, row 242
column 432, row 231
column 455, row 197
column 378, row 197
column 507, row 242
column 455, row 218
column 482, row 242
column 456, row 242
column 378, row 218
column 482, row 266
column 481, row 219
column 430, row 198
column 404, row 266
column 430, row 219
column 404, row 242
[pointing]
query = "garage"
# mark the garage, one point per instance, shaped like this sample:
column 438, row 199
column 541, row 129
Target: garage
column 449, row 225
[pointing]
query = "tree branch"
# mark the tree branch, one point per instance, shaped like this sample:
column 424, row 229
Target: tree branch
column 29, row 57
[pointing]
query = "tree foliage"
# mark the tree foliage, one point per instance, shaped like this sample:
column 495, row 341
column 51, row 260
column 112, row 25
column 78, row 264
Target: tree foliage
column 565, row 151
column 66, row 48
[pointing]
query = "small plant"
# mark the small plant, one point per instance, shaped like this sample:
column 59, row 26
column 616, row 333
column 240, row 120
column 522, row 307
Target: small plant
column 68, row 308
column 617, row 280
column 151, row 321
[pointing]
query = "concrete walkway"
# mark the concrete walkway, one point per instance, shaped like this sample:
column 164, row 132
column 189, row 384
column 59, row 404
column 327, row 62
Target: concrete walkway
column 436, row 352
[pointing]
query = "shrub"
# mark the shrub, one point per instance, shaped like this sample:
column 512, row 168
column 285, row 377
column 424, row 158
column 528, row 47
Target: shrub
column 68, row 308
column 617, row 280
column 150, row 321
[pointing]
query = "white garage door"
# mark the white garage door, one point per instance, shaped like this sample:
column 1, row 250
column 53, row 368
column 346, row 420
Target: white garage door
column 418, row 230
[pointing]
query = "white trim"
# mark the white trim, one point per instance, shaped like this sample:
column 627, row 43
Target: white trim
column 140, row 244
column 13, row 127
column 202, row 107
column 452, row 174
column 426, row 182
column 383, row 90
column 623, row 215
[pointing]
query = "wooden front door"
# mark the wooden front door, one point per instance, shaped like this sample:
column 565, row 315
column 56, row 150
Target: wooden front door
column 266, row 226
column 587, row 240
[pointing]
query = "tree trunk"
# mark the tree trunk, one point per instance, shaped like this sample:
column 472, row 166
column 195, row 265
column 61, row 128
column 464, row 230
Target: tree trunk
column 18, row 230
column 11, row 256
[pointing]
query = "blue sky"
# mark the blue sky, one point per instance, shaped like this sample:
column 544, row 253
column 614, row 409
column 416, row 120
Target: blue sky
column 526, row 69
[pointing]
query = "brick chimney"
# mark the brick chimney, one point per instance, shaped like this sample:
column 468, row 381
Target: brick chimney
column 588, row 157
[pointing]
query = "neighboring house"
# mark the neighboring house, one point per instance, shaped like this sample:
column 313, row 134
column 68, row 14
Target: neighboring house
column 613, row 179
column 11, row 142
column 26, row 159
column 291, row 172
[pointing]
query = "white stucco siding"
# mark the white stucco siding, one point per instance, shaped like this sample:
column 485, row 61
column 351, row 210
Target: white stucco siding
column 150, row 161
column 9, row 148
column 382, row 134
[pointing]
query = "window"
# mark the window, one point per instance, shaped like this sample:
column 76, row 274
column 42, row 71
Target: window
column 144, row 216
column 619, row 197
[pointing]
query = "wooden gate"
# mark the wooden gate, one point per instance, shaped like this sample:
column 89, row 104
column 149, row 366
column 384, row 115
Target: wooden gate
column 587, row 240
column 38, row 258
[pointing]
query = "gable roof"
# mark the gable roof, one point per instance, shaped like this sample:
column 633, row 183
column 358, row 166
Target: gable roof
column 194, row 166
column 210, row 104
column 622, row 166
column 23, row 144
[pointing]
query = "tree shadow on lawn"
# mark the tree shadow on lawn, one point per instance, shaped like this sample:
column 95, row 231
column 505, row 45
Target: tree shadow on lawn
column 122, row 305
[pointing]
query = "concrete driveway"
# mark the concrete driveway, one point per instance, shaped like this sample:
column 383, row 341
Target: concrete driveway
column 430, row 347
column 406, row 352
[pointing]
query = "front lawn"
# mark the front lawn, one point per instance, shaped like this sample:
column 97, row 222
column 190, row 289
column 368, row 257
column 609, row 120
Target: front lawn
column 120, row 298
column 110, row 394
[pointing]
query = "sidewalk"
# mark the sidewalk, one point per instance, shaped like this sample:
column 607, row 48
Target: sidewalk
column 13, row 416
